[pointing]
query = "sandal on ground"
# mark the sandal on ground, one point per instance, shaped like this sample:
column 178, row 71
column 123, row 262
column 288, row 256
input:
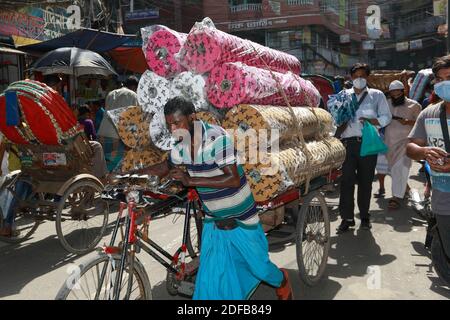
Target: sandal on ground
column 380, row 194
column 394, row 204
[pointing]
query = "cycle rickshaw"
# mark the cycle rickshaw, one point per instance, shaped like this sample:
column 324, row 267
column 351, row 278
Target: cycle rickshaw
column 102, row 274
column 56, row 168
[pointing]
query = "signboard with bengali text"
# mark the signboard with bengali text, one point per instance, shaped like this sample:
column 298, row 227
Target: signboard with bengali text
column 40, row 23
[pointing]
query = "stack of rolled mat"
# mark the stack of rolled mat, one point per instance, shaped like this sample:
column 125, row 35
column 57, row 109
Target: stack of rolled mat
column 33, row 113
column 136, row 159
column 191, row 86
column 313, row 122
column 207, row 47
column 160, row 52
column 153, row 92
column 132, row 126
column 289, row 168
column 381, row 79
column 231, row 84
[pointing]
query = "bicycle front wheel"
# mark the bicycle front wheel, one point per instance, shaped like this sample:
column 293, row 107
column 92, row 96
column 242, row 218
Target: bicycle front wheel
column 85, row 281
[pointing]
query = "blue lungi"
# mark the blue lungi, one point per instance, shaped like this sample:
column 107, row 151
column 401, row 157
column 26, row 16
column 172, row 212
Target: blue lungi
column 233, row 263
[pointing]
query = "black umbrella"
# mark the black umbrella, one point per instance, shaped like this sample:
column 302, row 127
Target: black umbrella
column 74, row 61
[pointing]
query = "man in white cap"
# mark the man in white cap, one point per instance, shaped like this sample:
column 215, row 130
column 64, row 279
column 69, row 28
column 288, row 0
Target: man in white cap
column 404, row 114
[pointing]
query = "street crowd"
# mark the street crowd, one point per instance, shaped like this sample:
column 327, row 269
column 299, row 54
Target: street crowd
column 234, row 257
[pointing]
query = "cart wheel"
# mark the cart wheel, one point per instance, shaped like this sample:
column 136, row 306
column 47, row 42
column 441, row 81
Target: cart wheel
column 313, row 238
column 25, row 224
column 81, row 217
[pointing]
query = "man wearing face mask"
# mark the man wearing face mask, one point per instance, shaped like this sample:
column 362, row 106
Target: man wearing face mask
column 373, row 107
column 429, row 140
column 404, row 114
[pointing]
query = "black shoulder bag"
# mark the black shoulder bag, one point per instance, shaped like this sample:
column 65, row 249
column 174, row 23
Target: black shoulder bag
column 444, row 127
column 340, row 130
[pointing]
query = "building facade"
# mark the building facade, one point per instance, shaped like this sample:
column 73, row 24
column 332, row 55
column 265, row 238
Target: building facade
column 179, row 15
column 414, row 40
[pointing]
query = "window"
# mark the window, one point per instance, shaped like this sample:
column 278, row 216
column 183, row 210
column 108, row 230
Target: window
column 299, row 2
column 330, row 5
column 240, row 2
column 245, row 5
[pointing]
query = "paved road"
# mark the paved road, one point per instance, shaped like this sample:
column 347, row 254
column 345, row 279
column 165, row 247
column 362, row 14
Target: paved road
column 387, row 263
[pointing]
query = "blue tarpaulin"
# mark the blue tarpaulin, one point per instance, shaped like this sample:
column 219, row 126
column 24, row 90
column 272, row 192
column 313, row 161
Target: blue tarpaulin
column 94, row 40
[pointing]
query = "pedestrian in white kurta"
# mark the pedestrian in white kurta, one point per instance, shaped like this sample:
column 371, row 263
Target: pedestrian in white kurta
column 404, row 114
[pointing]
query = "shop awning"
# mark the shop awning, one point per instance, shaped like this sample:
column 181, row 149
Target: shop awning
column 23, row 41
column 131, row 59
column 94, row 40
column 9, row 50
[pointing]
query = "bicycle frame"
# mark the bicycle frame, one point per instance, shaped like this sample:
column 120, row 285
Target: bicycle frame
column 135, row 240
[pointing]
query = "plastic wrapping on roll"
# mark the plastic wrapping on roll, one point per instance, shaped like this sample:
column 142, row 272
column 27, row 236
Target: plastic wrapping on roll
column 232, row 84
column 159, row 132
column 207, row 47
column 191, row 87
column 161, row 47
column 420, row 83
column 153, row 92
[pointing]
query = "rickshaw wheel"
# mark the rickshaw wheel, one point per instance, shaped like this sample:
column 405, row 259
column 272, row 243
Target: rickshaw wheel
column 81, row 217
column 313, row 238
column 25, row 225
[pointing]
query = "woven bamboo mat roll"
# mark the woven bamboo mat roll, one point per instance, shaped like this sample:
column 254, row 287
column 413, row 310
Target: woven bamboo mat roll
column 208, row 117
column 381, row 79
column 133, row 127
column 315, row 123
column 139, row 159
column 290, row 168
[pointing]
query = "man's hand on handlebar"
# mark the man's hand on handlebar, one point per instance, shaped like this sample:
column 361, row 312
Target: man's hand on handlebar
column 180, row 175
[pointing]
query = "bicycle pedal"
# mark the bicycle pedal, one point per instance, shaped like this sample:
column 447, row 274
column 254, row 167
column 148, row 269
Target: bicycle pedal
column 186, row 288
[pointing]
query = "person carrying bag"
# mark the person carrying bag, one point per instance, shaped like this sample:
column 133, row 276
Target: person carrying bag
column 357, row 120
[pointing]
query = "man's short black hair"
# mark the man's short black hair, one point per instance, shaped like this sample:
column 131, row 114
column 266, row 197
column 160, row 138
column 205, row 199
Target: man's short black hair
column 83, row 109
column 441, row 63
column 186, row 107
column 131, row 81
column 52, row 79
column 359, row 66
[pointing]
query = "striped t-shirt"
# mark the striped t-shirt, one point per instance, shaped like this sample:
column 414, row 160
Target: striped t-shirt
column 216, row 152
